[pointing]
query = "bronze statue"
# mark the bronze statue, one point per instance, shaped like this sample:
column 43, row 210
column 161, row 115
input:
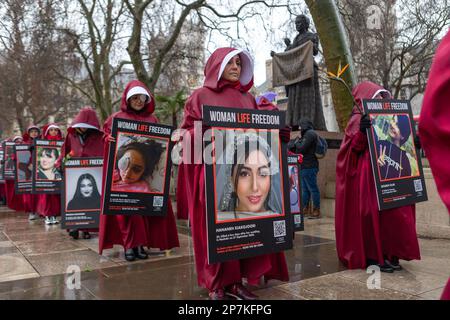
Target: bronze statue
column 304, row 99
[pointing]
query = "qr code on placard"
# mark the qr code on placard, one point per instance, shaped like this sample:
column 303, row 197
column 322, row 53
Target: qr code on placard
column 418, row 185
column 158, row 201
column 279, row 228
column 297, row 219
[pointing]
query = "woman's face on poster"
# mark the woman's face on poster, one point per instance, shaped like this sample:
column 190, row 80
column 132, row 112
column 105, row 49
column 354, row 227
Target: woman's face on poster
column 131, row 166
column 86, row 188
column 394, row 131
column 253, row 183
column 47, row 161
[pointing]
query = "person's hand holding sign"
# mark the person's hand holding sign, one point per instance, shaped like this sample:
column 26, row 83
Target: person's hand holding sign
column 381, row 161
column 110, row 138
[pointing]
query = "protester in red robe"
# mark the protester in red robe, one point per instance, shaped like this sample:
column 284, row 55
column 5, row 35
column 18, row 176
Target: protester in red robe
column 84, row 140
column 135, row 231
column 2, row 182
column 49, row 205
column 364, row 235
column 13, row 200
column 229, row 77
column 434, row 125
column 265, row 101
column 31, row 200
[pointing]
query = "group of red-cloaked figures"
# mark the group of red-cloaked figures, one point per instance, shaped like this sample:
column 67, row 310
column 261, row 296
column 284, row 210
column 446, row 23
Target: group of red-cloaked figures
column 364, row 235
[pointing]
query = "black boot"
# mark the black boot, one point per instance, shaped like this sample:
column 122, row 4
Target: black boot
column 129, row 255
column 86, row 235
column 383, row 268
column 74, row 234
column 140, row 253
column 393, row 263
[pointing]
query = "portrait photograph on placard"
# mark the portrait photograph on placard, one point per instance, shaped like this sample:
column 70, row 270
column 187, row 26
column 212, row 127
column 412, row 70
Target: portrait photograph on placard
column 138, row 169
column 247, row 180
column 294, row 189
column 395, row 150
column 24, row 166
column 248, row 184
column 140, row 164
column 9, row 159
column 83, row 188
column 47, row 178
column 81, row 193
column 295, row 192
column 395, row 160
column 46, row 160
column 1, row 163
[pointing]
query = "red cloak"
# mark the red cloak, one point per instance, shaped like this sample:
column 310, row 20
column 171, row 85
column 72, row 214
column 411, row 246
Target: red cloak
column 2, row 183
column 2, row 191
column 50, row 204
column 30, row 201
column 92, row 146
column 136, row 230
column 13, row 201
column 362, row 231
column 219, row 93
column 434, row 125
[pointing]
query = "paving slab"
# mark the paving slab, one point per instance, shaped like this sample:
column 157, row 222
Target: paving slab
column 14, row 267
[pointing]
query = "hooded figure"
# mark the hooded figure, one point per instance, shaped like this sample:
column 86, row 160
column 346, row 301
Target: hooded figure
column 84, row 140
column 135, row 231
column 265, row 101
column 14, row 201
column 365, row 235
column 84, row 136
column 49, row 205
column 30, row 201
column 2, row 182
column 434, row 125
column 220, row 92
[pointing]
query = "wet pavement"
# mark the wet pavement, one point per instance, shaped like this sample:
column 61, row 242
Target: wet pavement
column 34, row 260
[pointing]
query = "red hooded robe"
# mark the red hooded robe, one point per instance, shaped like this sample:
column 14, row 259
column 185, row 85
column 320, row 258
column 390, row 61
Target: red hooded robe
column 50, row 204
column 362, row 231
column 14, row 201
column 136, row 230
column 30, row 200
column 225, row 94
column 2, row 185
column 434, row 125
column 91, row 147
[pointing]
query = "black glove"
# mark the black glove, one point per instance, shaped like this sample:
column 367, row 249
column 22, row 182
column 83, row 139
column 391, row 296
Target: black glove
column 364, row 124
column 31, row 148
column 417, row 142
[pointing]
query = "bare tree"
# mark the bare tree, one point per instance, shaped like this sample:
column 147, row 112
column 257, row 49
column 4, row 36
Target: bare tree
column 213, row 16
column 31, row 52
column 393, row 42
column 94, row 33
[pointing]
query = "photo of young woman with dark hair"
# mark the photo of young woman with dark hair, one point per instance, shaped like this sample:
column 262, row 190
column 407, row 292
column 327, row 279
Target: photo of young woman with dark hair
column 136, row 161
column 293, row 189
column 394, row 158
column 24, row 172
column 252, row 175
column 86, row 195
column 46, row 164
